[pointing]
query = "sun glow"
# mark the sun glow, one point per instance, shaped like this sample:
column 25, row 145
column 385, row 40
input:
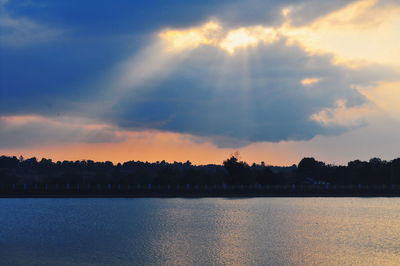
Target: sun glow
column 213, row 34
column 178, row 40
column 247, row 37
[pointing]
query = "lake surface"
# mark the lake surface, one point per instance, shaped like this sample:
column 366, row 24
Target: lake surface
column 207, row 231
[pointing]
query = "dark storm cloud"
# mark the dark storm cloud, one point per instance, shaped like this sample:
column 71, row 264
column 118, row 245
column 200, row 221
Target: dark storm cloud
column 214, row 94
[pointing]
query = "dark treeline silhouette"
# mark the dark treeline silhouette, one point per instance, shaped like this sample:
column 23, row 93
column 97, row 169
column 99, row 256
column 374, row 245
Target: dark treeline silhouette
column 232, row 172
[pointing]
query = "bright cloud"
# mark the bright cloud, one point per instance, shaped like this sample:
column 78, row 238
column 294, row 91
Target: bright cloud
column 178, row 40
column 360, row 32
column 341, row 114
column 309, row 81
column 213, row 34
column 247, row 37
column 363, row 32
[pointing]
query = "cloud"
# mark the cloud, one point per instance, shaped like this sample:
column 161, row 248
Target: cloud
column 252, row 95
column 340, row 114
column 80, row 64
column 257, row 71
column 143, row 17
column 377, row 139
column 212, row 33
column 33, row 131
column 343, row 33
column 361, row 33
column 309, row 81
column 22, row 31
column 252, row 83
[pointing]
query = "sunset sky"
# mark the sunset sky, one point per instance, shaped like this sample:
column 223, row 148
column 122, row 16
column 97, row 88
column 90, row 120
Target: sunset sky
column 276, row 80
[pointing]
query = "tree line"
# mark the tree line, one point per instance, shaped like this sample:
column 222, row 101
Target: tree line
column 233, row 171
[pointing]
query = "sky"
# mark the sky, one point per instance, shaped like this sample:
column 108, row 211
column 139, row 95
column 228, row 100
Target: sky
column 275, row 80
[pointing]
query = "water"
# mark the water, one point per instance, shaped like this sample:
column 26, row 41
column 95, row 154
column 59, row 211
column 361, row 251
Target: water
column 209, row 231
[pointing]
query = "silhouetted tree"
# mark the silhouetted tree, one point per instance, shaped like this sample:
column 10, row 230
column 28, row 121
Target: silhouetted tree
column 233, row 171
column 238, row 171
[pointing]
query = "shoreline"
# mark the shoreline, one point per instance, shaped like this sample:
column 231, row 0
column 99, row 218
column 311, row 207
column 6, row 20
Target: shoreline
column 200, row 195
column 188, row 191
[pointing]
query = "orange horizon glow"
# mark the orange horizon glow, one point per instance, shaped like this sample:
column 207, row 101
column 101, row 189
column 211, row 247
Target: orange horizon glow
column 153, row 146
column 150, row 146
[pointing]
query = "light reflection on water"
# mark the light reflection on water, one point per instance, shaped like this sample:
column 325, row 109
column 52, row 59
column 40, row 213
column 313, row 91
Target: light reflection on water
column 209, row 231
